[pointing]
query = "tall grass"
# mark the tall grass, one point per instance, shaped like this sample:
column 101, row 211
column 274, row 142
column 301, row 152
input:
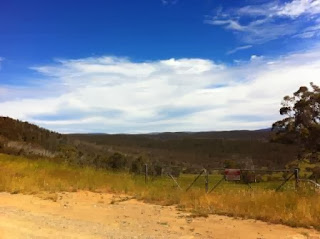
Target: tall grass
column 20, row 175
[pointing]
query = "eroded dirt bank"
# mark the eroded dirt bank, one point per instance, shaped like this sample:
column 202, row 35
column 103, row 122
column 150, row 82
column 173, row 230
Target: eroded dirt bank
column 95, row 215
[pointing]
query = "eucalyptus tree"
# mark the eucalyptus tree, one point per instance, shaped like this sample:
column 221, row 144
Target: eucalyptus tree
column 301, row 124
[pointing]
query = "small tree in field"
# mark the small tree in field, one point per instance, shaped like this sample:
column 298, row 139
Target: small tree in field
column 302, row 122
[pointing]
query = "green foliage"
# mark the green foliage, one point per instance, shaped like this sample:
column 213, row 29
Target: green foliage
column 302, row 122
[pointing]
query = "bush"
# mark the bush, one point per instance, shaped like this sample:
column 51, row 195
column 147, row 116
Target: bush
column 137, row 165
column 117, row 161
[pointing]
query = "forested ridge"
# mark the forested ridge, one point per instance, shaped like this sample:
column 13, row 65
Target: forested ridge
column 208, row 149
column 22, row 138
column 184, row 149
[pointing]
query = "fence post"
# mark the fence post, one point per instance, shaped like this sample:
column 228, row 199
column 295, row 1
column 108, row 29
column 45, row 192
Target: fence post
column 296, row 176
column 207, row 181
column 146, row 173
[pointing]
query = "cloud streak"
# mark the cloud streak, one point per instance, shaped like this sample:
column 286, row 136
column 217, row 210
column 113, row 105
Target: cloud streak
column 116, row 95
column 240, row 48
column 257, row 24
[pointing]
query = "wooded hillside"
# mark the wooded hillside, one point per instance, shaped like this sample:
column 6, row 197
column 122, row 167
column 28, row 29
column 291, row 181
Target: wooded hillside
column 184, row 149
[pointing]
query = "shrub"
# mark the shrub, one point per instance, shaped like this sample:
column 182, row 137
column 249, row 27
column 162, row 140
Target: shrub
column 117, row 161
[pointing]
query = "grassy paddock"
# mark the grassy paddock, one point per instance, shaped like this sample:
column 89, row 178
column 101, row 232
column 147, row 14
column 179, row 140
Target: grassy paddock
column 19, row 175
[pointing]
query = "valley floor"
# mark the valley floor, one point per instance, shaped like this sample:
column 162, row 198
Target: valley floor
column 96, row 215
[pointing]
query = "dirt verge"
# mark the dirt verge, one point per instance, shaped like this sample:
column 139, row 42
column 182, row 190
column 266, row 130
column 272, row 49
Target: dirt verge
column 97, row 215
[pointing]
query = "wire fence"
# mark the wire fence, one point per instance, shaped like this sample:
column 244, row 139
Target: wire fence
column 218, row 179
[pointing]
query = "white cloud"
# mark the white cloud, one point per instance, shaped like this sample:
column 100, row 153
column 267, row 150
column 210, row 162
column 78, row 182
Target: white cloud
column 265, row 22
column 297, row 8
column 293, row 9
column 108, row 94
column 256, row 58
column 229, row 24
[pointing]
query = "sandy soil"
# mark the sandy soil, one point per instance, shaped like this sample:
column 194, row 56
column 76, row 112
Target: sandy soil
column 95, row 215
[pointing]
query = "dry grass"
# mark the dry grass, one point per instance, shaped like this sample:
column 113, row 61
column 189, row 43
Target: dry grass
column 289, row 208
column 19, row 175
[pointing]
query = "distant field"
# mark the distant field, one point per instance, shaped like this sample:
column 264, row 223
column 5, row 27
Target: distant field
column 20, row 175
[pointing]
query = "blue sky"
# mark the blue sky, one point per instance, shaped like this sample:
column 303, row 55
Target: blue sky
column 154, row 65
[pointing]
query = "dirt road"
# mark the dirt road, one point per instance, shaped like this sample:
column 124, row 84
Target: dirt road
column 94, row 215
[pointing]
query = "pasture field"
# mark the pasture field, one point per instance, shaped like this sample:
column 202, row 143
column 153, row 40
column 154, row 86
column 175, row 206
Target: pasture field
column 43, row 177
